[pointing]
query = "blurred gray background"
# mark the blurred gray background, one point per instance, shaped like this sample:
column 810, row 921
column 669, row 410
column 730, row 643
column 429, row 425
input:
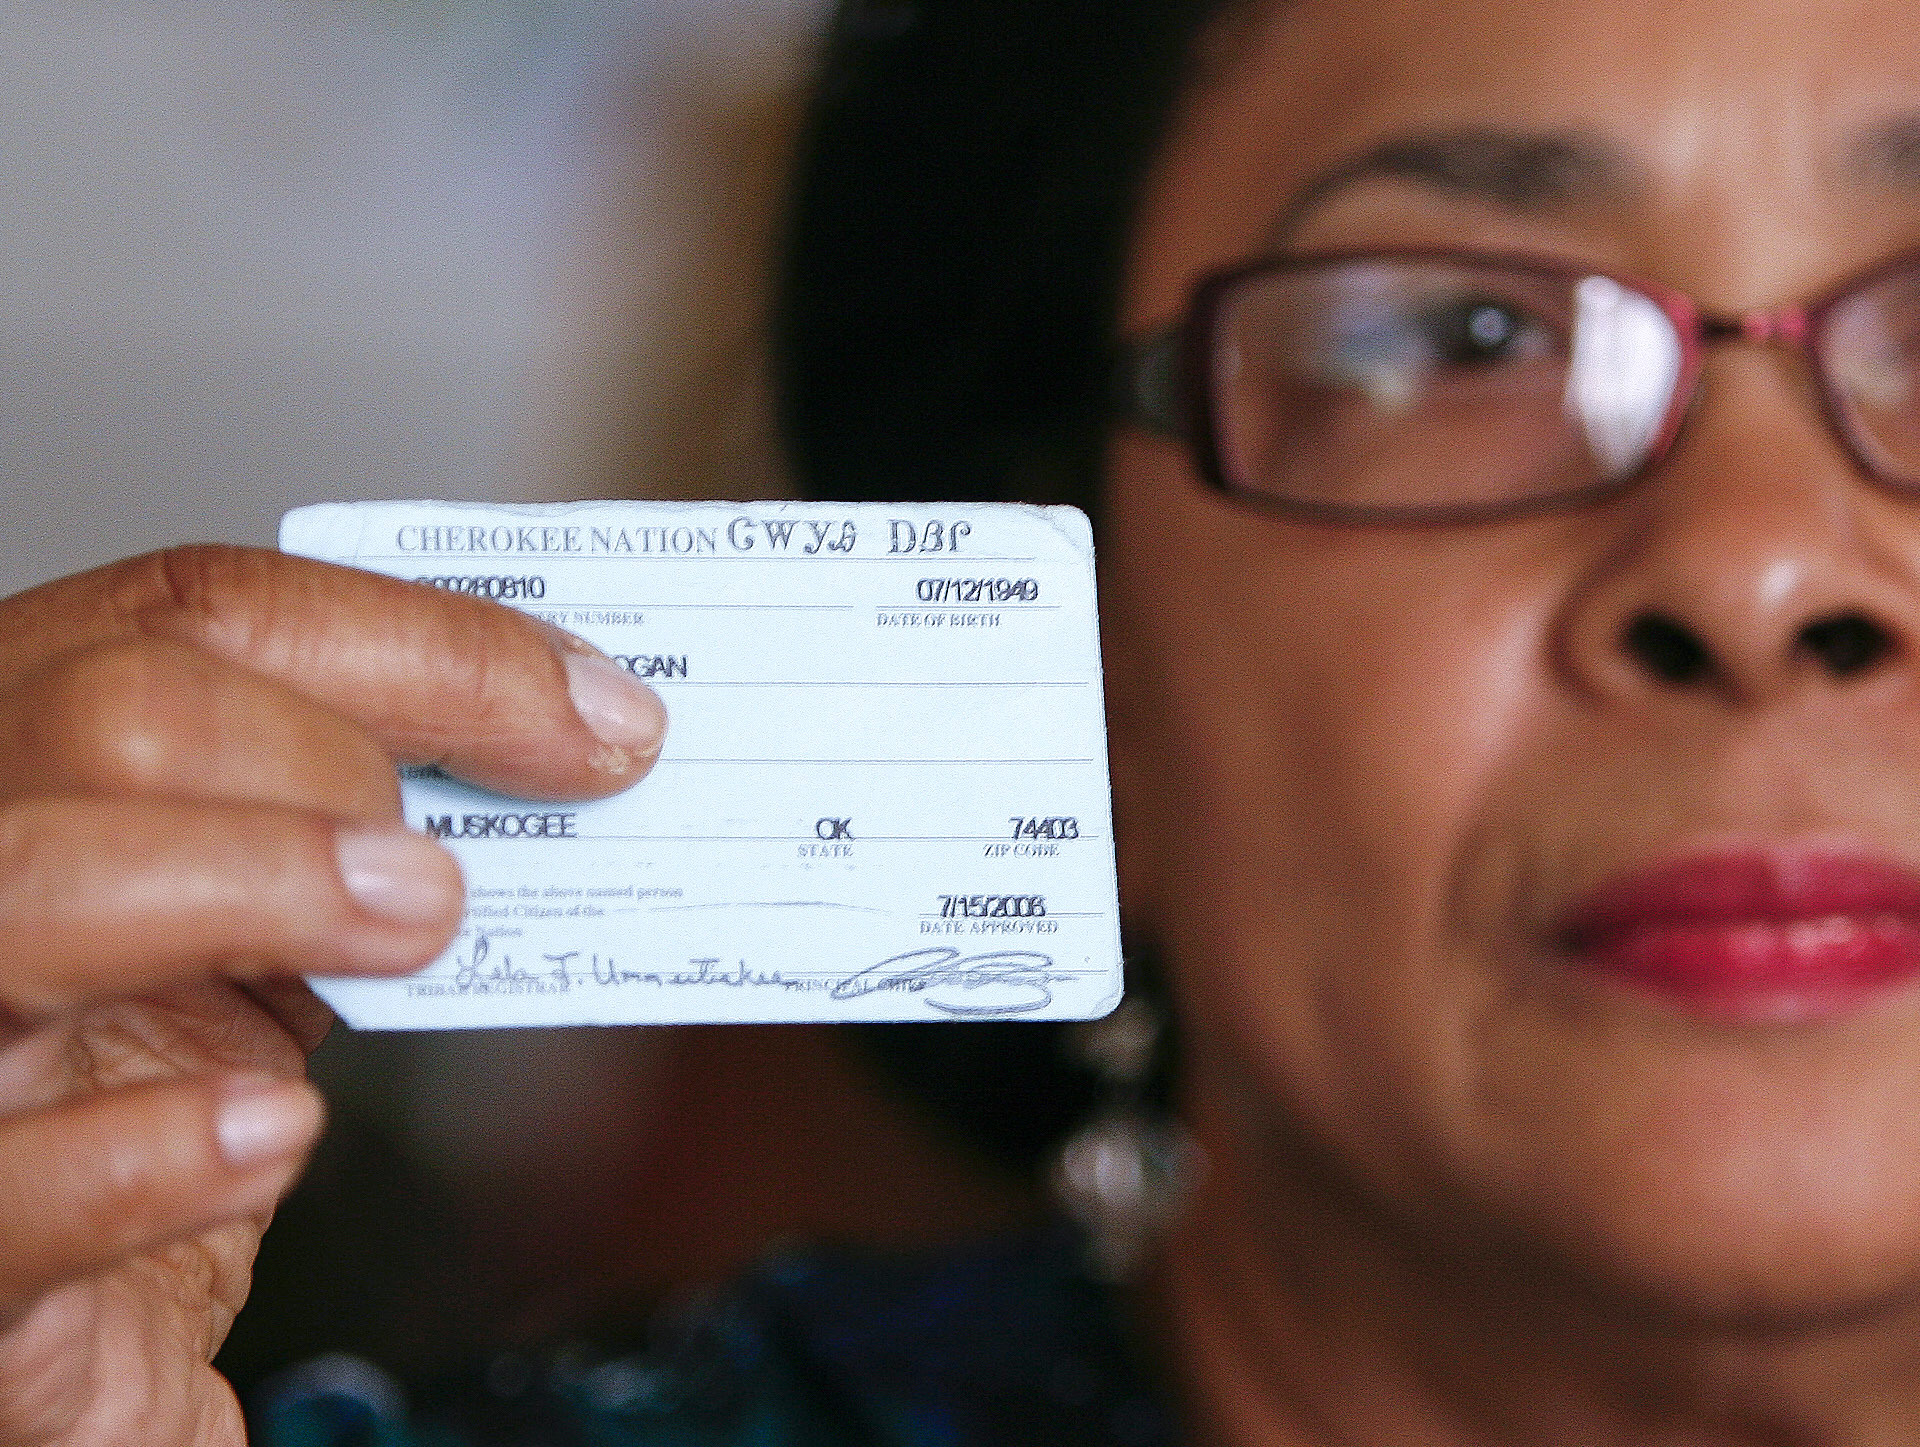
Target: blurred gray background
column 255, row 253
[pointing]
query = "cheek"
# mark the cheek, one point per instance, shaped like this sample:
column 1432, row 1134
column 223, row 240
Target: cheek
column 1313, row 726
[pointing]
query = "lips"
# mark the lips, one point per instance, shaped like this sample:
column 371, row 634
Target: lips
column 1754, row 935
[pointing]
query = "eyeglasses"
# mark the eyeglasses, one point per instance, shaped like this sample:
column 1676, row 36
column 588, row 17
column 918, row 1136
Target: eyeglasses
column 1430, row 386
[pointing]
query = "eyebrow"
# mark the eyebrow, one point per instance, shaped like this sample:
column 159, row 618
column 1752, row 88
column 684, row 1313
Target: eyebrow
column 1514, row 170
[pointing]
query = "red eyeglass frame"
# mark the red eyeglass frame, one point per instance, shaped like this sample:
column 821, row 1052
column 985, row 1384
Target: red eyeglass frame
column 1160, row 372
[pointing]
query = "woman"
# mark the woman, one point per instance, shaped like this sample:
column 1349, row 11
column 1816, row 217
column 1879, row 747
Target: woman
column 1519, row 786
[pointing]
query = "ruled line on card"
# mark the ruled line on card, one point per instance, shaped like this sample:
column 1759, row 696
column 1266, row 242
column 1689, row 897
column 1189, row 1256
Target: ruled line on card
column 913, row 763
column 873, row 683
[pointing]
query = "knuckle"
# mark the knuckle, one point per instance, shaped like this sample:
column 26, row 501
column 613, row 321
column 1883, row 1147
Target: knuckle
column 95, row 1176
column 233, row 601
column 129, row 1198
column 150, row 715
column 211, row 590
column 126, row 1178
column 492, row 674
column 147, row 1152
column 490, row 685
column 120, row 715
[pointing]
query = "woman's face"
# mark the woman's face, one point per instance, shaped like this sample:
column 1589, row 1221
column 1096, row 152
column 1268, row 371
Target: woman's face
column 1366, row 772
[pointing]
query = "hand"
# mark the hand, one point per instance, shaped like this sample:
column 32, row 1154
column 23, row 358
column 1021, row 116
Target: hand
column 197, row 804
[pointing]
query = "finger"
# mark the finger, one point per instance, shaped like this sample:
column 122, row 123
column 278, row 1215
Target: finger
column 88, row 1183
column 151, row 716
column 115, row 897
column 295, row 1008
column 196, row 1030
column 488, row 693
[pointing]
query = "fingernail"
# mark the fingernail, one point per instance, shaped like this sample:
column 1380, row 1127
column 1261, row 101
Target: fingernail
column 403, row 877
column 623, row 712
column 263, row 1117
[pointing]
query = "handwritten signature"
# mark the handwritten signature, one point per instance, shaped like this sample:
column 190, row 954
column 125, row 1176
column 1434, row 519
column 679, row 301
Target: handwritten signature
column 481, row 974
column 1002, row 982
column 707, row 971
column 1005, row 982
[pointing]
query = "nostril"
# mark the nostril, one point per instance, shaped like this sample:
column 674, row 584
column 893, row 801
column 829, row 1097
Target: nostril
column 1845, row 644
column 1668, row 650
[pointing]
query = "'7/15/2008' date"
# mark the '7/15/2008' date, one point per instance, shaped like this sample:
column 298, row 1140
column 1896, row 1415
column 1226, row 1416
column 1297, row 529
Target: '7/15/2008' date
column 993, row 906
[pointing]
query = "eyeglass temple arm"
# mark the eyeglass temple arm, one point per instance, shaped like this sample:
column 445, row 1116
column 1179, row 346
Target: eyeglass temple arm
column 1151, row 384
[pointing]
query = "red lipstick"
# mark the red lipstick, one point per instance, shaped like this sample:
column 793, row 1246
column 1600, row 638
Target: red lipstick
column 1754, row 935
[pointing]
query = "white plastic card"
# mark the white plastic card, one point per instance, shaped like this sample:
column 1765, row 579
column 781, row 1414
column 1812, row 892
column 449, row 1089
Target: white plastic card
column 883, row 794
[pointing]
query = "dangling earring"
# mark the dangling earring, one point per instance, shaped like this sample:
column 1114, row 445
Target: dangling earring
column 1124, row 1175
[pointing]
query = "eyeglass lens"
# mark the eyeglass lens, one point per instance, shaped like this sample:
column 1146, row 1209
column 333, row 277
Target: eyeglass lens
column 1416, row 384
column 1871, row 343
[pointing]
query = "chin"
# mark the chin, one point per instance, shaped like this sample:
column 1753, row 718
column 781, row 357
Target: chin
column 1595, row 1147
column 1681, row 1165
column 1748, row 1217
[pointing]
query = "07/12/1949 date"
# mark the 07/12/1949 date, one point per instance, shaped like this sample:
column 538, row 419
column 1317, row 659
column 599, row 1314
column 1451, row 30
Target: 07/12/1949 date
column 978, row 590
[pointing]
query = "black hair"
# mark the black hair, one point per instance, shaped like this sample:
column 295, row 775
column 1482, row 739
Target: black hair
column 964, row 187
column 963, row 193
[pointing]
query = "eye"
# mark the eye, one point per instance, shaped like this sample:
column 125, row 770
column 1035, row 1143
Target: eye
column 1477, row 331
column 1394, row 348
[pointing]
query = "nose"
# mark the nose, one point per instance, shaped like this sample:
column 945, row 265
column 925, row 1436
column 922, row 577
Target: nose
column 1754, row 564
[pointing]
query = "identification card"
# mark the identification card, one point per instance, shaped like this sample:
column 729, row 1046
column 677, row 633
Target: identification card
column 883, row 794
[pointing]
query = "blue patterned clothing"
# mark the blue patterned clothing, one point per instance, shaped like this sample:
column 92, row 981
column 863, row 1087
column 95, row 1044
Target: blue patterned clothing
column 990, row 1346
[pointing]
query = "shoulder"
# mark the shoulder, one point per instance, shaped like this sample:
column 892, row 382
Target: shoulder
column 1001, row 1342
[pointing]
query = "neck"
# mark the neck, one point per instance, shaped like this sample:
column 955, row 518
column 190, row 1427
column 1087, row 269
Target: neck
column 1297, row 1317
